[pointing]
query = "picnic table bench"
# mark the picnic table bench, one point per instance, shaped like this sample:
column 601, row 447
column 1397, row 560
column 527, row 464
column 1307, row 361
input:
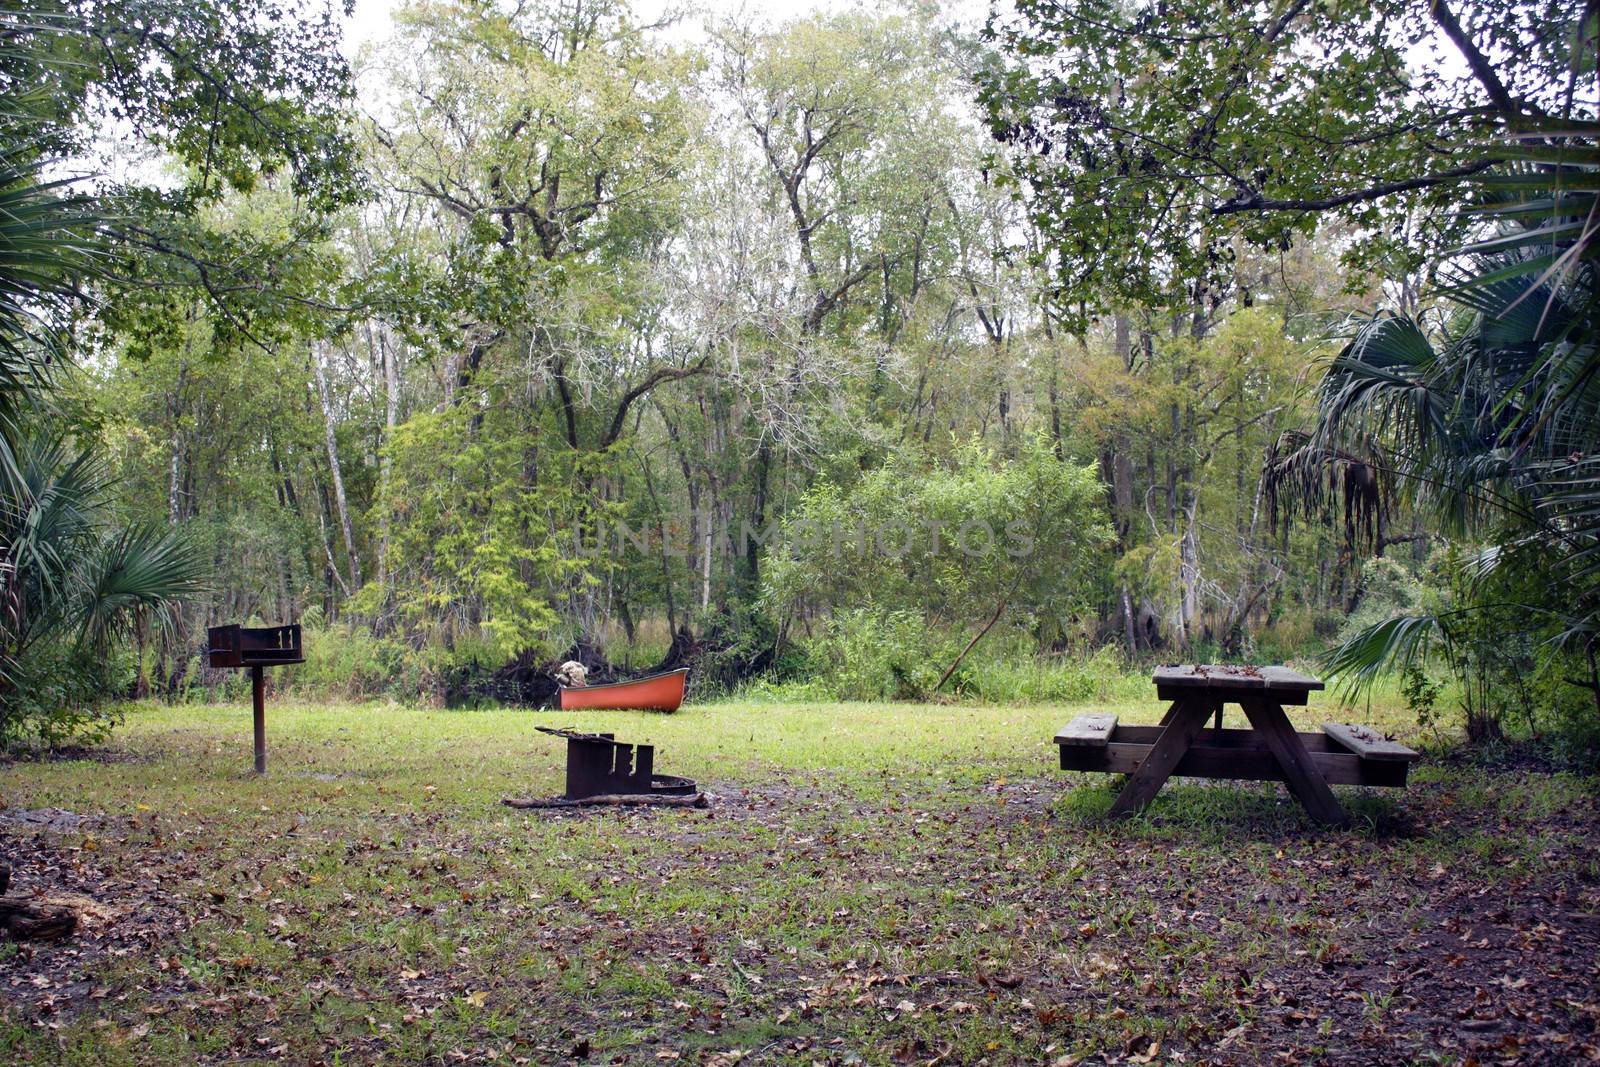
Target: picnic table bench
column 1271, row 750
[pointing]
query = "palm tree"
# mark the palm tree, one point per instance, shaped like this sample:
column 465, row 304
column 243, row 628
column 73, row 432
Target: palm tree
column 72, row 582
column 1488, row 421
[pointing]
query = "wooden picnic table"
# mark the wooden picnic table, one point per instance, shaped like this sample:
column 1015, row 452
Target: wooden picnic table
column 1270, row 750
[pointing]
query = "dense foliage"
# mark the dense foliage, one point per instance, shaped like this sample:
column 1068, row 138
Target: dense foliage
column 74, row 583
column 607, row 284
column 545, row 332
column 1489, row 417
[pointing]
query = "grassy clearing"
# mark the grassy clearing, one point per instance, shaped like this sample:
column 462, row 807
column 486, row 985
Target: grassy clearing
column 876, row 883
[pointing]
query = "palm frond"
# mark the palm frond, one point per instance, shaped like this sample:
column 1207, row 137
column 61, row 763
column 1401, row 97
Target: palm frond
column 140, row 573
column 1490, row 417
column 46, row 244
column 1398, row 642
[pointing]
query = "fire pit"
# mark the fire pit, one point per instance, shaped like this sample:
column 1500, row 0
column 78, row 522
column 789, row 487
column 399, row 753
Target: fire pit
column 603, row 770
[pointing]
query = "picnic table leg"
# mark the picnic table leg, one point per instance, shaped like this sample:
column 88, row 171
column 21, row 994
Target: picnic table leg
column 1299, row 772
column 1183, row 721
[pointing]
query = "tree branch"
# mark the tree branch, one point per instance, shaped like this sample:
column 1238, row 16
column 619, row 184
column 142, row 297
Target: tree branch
column 1482, row 69
column 655, row 378
column 1254, row 201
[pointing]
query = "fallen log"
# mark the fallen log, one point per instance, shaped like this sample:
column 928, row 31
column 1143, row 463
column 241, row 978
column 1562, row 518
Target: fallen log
column 27, row 917
column 691, row 800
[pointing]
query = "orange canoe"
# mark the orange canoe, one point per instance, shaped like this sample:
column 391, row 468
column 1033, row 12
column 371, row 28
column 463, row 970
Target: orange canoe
column 658, row 692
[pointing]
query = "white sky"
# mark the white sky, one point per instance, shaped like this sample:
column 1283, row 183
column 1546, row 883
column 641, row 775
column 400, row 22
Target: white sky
column 371, row 21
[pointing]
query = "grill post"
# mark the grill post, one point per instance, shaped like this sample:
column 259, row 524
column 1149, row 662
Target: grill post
column 258, row 697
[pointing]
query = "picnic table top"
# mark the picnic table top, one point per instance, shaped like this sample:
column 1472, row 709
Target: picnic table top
column 1213, row 676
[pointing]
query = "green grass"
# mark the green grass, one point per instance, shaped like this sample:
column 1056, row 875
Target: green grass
column 874, row 883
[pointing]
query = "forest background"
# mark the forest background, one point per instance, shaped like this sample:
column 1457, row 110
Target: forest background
column 551, row 331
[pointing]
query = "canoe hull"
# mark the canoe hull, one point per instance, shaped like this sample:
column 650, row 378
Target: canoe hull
column 659, row 692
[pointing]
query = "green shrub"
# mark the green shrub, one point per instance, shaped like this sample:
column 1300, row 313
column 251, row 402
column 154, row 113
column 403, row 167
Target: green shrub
column 344, row 662
column 946, row 542
column 1102, row 676
column 59, row 695
column 866, row 654
column 737, row 644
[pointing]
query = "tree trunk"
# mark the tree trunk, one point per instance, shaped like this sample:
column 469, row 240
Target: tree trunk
column 23, row 915
column 1189, row 571
column 174, row 480
column 666, row 555
column 175, row 461
column 1253, row 582
column 692, row 489
column 999, row 610
column 1055, row 410
column 1130, row 627
column 288, row 498
column 391, row 419
column 758, row 510
column 705, row 564
column 335, row 471
column 330, row 570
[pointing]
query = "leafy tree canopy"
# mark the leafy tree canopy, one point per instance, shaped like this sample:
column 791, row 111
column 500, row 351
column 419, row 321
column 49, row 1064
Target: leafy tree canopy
column 1154, row 139
column 178, row 107
column 232, row 90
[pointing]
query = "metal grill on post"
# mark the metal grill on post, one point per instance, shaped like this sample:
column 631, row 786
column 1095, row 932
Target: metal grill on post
column 255, row 647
